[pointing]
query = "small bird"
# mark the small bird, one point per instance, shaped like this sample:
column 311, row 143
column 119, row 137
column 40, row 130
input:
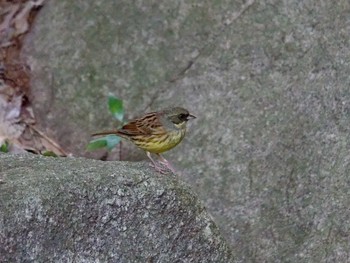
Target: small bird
column 156, row 132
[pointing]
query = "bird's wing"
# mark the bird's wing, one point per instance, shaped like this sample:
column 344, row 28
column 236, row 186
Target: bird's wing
column 147, row 125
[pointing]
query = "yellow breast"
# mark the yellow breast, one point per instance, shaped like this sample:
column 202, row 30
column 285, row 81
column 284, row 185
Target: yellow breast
column 161, row 143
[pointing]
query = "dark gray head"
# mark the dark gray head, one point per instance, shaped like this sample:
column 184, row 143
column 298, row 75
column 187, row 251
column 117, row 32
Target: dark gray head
column 178, row 115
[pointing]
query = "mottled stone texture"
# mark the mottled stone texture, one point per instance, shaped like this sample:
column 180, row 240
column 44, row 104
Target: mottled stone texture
column 78, row 210
column 269, row 82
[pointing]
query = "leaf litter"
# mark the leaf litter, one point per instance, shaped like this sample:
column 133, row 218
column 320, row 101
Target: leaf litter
column 17, row 120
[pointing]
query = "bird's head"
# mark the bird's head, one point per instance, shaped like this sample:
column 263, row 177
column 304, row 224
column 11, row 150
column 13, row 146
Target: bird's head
column 178, row 116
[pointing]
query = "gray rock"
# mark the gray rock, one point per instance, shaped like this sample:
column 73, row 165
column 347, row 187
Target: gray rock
column 269, row 82
column 78, row 210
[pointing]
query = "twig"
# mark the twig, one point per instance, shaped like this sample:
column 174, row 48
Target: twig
column 52, row 142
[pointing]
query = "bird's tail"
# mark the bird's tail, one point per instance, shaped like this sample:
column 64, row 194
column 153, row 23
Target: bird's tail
column 116, row 132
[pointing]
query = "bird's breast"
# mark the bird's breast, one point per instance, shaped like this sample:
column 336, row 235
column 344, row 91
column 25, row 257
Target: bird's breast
column 162, row 143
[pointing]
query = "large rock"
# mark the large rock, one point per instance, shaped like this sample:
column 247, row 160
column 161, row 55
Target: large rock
column 270, row 85
column 78, row 210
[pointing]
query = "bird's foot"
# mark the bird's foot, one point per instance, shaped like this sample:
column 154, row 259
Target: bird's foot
column 160, row 168
column 168, row 165
column 163, row 166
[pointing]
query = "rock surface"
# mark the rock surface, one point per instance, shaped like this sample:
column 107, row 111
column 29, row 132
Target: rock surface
column 268, row 80
column 79, row 210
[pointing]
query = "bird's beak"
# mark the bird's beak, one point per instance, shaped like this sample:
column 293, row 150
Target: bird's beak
column 192, row 116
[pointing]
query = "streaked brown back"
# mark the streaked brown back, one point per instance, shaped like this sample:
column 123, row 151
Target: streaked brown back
column 149, row 124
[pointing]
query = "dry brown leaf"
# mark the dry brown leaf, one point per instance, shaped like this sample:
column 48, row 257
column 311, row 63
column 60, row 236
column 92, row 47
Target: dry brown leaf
column 15, row 20
column 6, row 31
column 34, row 140
column 10, row 110
column 21, row 21
column 17, row 120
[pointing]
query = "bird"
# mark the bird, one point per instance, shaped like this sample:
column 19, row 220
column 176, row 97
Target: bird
column 156, row 132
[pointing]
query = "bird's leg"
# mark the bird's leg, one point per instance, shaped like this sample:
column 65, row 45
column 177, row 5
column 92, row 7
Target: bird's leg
column 166, row 163
column 155, row 164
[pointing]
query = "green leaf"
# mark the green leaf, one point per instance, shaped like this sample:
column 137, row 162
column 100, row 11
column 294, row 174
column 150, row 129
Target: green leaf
column 49, row 154
column 109, row 142
column 115, row 106
column 97, row 144
column 4, row 147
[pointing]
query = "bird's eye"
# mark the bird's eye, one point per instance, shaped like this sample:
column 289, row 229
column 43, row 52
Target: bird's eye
column 183, row 116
